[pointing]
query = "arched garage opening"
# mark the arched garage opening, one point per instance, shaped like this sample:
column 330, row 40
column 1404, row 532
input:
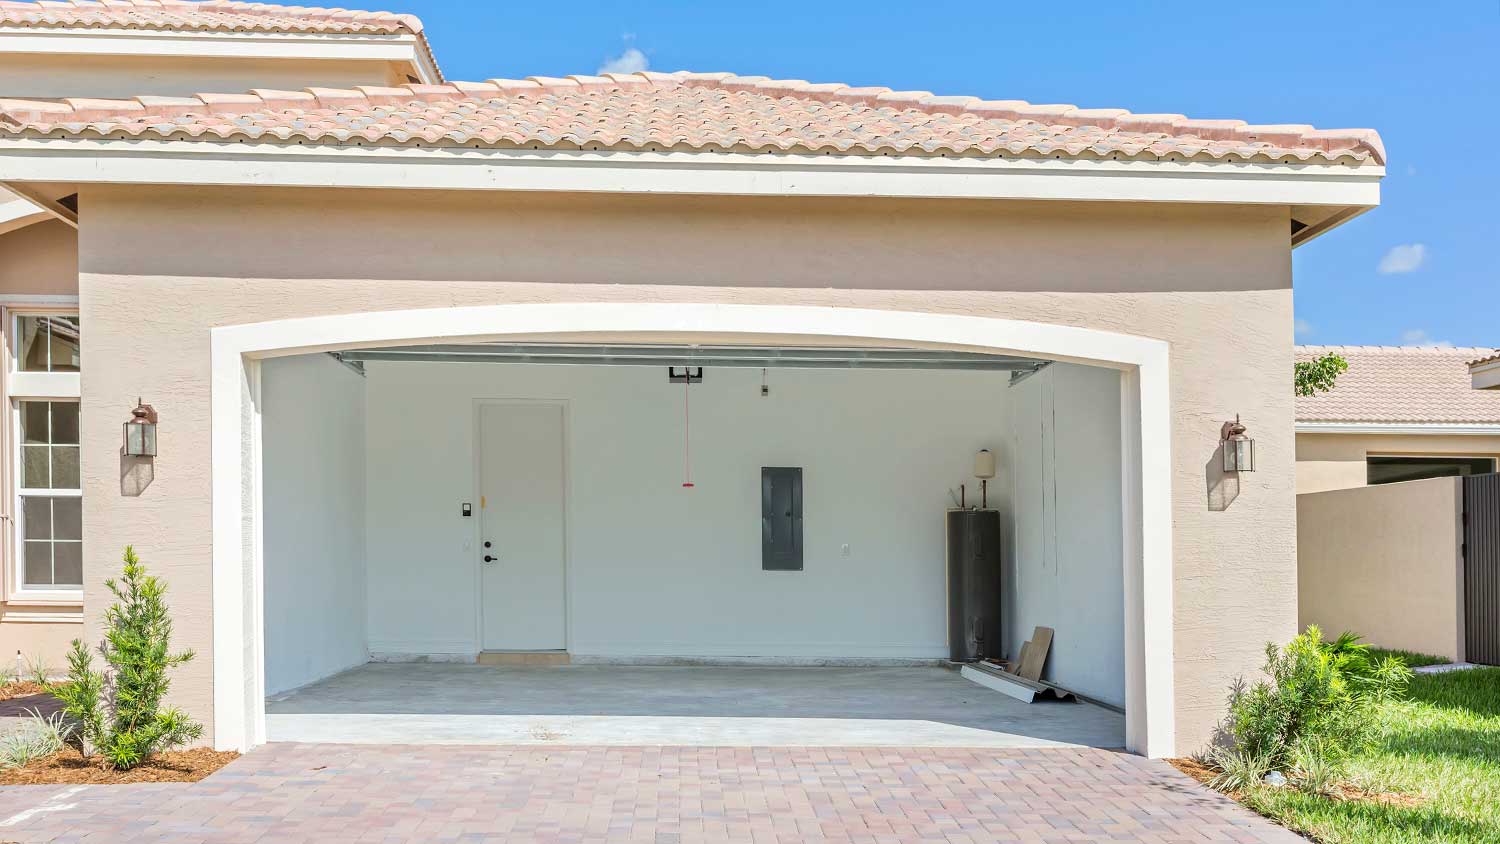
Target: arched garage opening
column 651, row 571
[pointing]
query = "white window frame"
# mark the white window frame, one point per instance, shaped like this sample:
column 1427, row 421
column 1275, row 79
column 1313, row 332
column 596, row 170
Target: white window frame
column 16, row 387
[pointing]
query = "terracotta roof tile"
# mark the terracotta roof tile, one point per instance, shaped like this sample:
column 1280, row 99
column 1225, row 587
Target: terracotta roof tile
column 207, row 16
column 1401, row 385
column 698, row 111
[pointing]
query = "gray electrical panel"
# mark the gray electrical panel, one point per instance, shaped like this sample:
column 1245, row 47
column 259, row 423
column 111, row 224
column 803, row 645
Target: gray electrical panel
column 781, row 518
column 974, row 585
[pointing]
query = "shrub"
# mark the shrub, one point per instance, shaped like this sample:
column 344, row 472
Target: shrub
column 1318, row 699
column 119, row 713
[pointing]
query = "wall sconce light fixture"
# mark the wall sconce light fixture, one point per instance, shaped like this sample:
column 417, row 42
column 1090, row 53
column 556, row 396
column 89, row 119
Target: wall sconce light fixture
column 140, row 431
column 1239, row 448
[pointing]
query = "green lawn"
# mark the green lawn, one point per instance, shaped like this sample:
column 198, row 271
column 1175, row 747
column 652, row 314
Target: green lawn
column 1442, row 745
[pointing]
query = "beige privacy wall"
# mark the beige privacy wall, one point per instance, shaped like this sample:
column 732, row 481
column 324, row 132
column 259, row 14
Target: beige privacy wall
column 1337, row 461
column 1385, row 562
column 162, row 266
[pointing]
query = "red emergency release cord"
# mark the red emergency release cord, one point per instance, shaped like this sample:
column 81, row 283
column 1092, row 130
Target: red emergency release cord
column 687, row 429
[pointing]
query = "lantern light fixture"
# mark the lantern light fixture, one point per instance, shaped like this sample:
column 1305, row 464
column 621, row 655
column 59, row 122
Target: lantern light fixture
column 1239, row 447
column 140, row 431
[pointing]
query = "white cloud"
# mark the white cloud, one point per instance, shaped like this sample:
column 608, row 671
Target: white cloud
column 1406, row 258
column 630, row 61
column 1418, row 337
column 1302, row 328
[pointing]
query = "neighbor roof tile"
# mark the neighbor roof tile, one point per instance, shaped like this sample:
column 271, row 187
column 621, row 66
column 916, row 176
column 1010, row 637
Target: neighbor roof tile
column 1401, row 385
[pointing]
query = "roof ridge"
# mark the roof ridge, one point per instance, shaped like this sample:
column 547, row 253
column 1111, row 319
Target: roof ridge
column 239, row 7
column 1330, row 142
column 1429, row 349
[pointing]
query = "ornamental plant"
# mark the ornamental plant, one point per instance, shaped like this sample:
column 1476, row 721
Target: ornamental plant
column 118, row 711
column 1314, row 709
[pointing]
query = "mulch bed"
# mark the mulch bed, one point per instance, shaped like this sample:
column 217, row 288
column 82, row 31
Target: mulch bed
column 24, row 688
column 1343, row 792
column 66, row 768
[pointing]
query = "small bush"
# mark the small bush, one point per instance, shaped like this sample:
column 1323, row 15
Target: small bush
column 36, row 738
column 120, row 714
column 1239, row 769
column 1318, row 700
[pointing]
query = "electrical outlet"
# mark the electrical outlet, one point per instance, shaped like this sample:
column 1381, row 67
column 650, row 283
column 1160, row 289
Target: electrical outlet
column 844, row 550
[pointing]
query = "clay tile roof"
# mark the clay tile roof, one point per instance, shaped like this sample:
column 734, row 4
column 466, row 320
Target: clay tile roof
column 704, row 112
column 210, row 15
column 1483, row 360
column 206, row 16
column 1401, row 385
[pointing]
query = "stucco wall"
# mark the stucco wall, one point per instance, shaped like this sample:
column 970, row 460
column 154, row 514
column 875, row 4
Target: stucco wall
column 1384, row 562
column 161, row 266
column 40, row 259
column 30, row 75
column 1066, row 571
column 1337, row 461
column 313, row 436
column 654, row 569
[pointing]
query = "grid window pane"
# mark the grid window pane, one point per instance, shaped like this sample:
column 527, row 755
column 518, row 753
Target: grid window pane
column 64, row 423
column 64, row 346
column 65, row 467
column 67, row 564
column 38, row 514
column 38, row 563
column 31, row 344
column 48, row 343
column 34, row 421
column 67, row 518
column 35, row 467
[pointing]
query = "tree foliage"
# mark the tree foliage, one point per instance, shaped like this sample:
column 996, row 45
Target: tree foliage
column 1317, row 376
column 119, row 712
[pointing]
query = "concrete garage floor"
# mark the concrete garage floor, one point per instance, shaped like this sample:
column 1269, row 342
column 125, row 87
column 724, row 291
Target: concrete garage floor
column 596, row 705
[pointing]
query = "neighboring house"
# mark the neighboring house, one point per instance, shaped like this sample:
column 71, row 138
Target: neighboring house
column 1485, row 372
column 1392, row 544
column 1399, row 413
column 879, row 284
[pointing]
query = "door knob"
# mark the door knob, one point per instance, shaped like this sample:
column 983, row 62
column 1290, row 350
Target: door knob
column 489, row 559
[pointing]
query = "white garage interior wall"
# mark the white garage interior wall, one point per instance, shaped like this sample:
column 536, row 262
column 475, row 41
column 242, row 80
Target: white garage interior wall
column 313, row 442
column 367, row 553
column 1066, row 570
column 658, row 570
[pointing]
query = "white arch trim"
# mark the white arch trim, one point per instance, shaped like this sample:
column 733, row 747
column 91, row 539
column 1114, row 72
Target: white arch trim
column 238, row 665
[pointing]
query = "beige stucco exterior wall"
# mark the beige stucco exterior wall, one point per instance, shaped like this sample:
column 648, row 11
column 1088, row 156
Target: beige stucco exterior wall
column 162, row 266
column 51, row 76
column 1384, row 562
column 39, row 260
column 1337, row 461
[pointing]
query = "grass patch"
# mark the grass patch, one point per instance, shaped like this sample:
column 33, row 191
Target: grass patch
column 1411, row 658
column 1434, row 775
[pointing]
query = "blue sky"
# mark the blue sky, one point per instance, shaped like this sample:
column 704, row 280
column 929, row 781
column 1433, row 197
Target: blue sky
column 1422, row 268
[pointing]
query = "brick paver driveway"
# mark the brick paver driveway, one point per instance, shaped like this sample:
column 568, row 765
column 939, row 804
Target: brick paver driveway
column 341, row 793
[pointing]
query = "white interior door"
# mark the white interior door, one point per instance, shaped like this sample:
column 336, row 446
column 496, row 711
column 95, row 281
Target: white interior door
column 521, row 519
